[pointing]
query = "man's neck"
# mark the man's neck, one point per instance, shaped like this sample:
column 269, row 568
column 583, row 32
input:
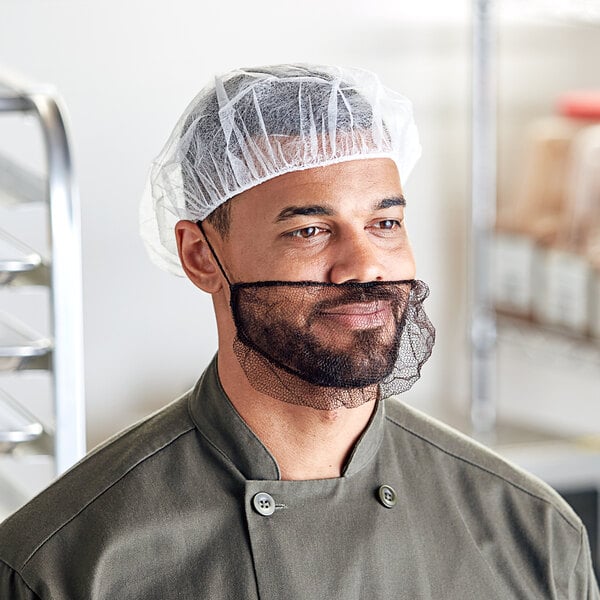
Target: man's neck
column 306, row 443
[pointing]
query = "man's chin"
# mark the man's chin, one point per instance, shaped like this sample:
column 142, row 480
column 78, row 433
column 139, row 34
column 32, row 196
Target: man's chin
column 319, row 389
column 346, row 370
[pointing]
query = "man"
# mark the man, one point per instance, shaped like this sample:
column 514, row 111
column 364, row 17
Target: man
column 289, row 472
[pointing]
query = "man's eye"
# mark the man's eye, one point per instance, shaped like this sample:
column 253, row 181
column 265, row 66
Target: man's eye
column 388, row 224
column 306, row 232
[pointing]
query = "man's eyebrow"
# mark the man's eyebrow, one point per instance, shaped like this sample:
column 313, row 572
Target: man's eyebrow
column 294, row 211
column 319, row 209
column 391, row 201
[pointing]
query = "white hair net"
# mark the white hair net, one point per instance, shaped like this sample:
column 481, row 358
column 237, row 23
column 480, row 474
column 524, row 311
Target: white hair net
column 252, row 125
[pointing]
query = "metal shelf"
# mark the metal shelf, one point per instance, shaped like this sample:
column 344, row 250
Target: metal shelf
column 18, row 185
column 17, row 425
column 15, row 258
column 548, row 344
column 21, row 347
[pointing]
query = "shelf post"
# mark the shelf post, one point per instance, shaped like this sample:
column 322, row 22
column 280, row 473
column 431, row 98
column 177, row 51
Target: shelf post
column 483, row 216
column 67, row 311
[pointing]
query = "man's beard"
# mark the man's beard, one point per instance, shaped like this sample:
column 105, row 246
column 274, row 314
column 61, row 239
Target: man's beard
column 329, row 345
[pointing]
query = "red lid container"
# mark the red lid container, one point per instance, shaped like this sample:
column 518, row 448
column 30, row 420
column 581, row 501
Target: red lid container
column 581, row 104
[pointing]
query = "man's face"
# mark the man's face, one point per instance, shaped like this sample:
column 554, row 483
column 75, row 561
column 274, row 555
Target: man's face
column 342, row 224
column 333, row 224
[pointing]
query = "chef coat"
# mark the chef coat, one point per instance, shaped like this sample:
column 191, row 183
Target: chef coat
column 189, row 504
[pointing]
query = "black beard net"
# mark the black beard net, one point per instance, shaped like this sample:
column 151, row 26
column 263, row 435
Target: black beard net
column 294, row 345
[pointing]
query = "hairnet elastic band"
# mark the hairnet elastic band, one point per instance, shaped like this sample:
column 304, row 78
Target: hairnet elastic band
column 212, row 250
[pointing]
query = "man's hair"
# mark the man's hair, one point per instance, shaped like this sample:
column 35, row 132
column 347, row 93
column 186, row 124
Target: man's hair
column 220, row 219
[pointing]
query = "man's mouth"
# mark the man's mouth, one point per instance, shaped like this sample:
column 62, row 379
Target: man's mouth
column 359, row 315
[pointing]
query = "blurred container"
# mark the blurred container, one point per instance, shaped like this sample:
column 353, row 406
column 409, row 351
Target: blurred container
column 532, row 217
column 595, row 302
column 583, row 198
column 567, row 294
column 547, row 252
column 562, row 282
column 514, row 256
column 580, row 104
column 584, row 230
column 540, row 200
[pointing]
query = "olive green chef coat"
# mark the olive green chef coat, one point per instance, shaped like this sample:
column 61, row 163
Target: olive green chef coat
column 189, row 504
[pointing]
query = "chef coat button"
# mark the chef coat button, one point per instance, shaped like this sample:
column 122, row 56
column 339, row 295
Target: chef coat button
column 387, row 496
column 264, row 504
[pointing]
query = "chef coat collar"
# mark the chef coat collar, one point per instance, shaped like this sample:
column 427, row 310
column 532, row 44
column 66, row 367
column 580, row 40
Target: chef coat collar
column 217, row 419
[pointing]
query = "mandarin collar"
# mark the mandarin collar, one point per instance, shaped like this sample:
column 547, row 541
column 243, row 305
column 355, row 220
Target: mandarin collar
column 219, row 422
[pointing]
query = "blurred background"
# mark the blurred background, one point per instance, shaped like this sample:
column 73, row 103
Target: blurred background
column 126, row 70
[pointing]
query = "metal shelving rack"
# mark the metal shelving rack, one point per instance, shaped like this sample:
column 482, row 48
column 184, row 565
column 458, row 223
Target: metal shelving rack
column 485, row 326
column 570, row 464
column 21, row 349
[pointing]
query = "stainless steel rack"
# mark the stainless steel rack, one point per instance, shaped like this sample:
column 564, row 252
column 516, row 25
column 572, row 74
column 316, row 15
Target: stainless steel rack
column 570, row 464
column 22, row 349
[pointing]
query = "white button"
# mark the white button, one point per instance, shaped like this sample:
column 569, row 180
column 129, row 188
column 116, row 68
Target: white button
column 263, row 504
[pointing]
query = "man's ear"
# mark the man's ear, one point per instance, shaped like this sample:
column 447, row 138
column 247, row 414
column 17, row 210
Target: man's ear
column 196, row 257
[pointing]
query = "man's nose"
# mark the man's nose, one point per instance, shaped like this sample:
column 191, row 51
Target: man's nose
column 356, row 259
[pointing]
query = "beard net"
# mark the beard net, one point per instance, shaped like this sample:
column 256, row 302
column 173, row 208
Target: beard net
column 327, row 345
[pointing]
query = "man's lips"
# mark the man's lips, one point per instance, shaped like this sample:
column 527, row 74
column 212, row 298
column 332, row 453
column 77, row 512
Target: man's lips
column 359, row 315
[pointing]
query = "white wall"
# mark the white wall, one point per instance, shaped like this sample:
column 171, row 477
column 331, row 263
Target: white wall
column 126, row 70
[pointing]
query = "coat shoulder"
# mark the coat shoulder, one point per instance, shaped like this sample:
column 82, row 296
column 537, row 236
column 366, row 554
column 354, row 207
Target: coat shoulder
column 475, row 460
column 27, row 530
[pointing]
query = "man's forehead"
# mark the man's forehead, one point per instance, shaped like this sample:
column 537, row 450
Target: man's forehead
column 356, row 188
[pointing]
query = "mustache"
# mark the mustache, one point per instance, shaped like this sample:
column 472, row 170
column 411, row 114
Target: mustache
column 317, row 297
column 358, row 293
